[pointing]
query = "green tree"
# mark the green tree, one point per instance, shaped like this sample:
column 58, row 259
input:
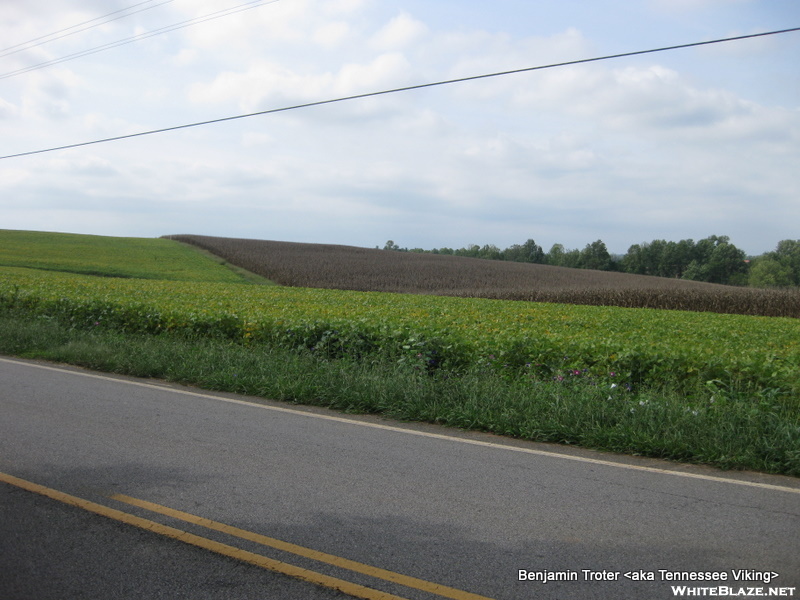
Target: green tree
column 555, row 256
column 682, row 256
column 768, row 272
column 718, row 261
column 595, row 256
column 634, row 260
column 787, row 253
column 655, row 257
column 572, row 259
column 491, row 252
column 533, row 252
column 529, row 252
column 473, row 251
column 695, row 271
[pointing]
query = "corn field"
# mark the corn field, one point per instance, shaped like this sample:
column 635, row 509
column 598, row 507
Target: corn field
column 364, row 269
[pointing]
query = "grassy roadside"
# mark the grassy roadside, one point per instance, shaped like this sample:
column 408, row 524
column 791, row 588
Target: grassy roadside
column 720, row 428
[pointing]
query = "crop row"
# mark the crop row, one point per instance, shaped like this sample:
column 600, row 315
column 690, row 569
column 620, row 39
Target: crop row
column 535, row 340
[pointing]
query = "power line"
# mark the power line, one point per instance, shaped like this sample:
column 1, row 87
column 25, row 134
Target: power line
column 42, row 39
column 136, row 38
column 402, row 89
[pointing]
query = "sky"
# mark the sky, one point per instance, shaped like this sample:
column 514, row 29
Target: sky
column 672, row 145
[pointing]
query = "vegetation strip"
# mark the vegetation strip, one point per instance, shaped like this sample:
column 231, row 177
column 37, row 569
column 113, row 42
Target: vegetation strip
column 738, row 433
column 277, row 566
column 408, row 431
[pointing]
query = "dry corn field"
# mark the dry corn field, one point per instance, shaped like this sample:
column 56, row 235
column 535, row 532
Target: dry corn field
column 365, row 269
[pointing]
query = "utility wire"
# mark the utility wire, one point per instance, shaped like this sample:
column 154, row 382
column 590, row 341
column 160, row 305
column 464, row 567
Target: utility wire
column 403, row 89
column 42, row 39
column 166, row 29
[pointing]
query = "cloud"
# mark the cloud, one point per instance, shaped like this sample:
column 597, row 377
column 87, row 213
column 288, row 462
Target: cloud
column 266, row 85
column 692, row 6
column 49, row 95
column 398, row 33
column 332, row 34
column 7, row 109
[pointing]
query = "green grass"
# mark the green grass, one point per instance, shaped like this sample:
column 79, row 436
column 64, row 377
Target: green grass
column 112, row 257
column 725, row 430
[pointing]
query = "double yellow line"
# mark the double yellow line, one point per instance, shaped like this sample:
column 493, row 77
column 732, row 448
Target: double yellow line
column 353, row 589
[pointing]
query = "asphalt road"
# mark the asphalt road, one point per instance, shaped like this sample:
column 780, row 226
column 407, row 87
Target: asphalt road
column 384, row 508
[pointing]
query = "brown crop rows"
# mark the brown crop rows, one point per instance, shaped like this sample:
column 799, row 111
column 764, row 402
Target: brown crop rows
column 365, row 269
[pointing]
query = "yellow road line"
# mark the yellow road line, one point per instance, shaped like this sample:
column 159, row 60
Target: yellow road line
column 341, row 585
column 331, row 559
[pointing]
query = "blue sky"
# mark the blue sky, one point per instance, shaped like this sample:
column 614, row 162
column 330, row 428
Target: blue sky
column 675, row 145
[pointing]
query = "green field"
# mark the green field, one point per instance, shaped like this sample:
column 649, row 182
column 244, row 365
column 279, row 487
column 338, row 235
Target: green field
column 536, row 340
column 717, row 388
column 110, row 256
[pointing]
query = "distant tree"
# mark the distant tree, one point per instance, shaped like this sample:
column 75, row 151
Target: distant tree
column 514, row 253
column 491, row 252
column 717, row 261
column 572, row 259
column 555, row 256
column 473, row 251
column 649, row 258
column 704, row 248
column 669, row 265
column 779, row 268
column 634, row 261
column 670, row 259
column 390, row 245
column 788, row 254
column 768, row 272
column 681, row 256
column 533, row 252
column 655, row 257
column 695, row 271
column 595, row 256
column 727, row 265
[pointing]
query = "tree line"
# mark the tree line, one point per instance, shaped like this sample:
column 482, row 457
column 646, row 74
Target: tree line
column 713, row 259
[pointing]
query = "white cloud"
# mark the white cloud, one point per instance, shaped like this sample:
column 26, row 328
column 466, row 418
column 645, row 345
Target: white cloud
column 401, row 31
column 49, row 94
column 185, row 57
column 690, row 6
column 332, row 34
column 266, row 85
column 385, row 70
column 7, row 109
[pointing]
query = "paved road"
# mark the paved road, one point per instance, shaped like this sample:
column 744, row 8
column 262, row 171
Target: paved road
column 410, row 511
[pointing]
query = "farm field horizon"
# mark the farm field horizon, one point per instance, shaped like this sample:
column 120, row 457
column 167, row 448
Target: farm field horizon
column 369, row 269
column 632, row 368
column 329, row 266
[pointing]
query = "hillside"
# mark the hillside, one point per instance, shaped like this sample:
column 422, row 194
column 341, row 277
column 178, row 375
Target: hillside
column 364, row 269
column 106, row 256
